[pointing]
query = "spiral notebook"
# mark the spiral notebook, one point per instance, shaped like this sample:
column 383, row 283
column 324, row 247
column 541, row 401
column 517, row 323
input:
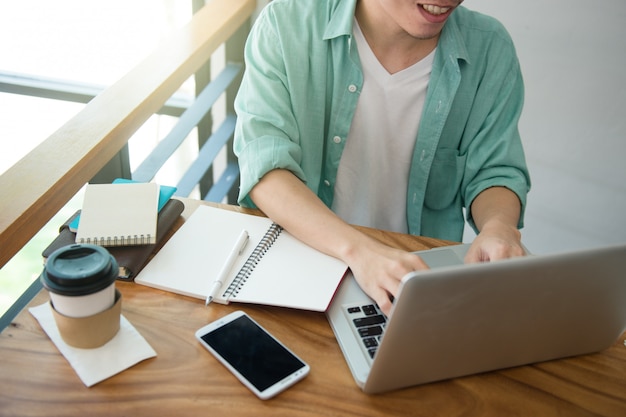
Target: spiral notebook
column 119, row 214
column 274, row 268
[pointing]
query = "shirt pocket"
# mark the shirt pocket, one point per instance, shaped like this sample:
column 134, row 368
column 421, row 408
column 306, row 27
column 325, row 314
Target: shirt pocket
column 444, row 181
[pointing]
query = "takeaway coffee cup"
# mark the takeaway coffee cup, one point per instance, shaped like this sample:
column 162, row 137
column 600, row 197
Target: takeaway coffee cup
column 81, row 282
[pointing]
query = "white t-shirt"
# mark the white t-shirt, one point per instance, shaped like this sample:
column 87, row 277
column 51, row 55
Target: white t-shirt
column 373, row 172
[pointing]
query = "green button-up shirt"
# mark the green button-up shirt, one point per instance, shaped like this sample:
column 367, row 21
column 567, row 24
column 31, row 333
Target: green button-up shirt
column 300, row 90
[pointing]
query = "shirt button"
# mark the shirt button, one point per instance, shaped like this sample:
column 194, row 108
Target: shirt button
column 327, row 183
column 337, row 139
column 352, row 88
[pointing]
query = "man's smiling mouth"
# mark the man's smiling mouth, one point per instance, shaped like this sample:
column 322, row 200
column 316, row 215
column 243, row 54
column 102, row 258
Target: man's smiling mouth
column 435, row 10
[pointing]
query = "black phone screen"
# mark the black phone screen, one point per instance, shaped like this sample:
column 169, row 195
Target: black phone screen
column 252, row 352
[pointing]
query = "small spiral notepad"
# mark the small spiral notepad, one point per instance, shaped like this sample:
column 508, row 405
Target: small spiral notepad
column 119, row 214
column 275, row 268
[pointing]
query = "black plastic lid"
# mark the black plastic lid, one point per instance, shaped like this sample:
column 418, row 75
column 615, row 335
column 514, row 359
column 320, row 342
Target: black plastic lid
column 80, row 269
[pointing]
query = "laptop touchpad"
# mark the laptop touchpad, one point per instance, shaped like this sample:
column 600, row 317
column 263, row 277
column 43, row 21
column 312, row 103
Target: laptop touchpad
column 441, row 257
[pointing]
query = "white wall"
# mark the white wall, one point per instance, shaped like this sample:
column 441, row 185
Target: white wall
column 573, row 57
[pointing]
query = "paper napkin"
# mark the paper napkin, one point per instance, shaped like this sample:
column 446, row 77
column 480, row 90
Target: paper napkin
column 126, row 349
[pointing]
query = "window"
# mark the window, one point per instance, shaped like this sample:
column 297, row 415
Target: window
column 78, row 41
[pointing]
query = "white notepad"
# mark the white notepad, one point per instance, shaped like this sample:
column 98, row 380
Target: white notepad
column 119, row 214
column 282, row 271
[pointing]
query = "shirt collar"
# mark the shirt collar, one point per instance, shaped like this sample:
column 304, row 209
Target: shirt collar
column 451, row 40
column 341, row 20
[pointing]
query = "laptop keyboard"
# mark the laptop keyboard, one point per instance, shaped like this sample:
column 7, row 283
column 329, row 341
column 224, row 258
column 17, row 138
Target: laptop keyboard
column 369, row 323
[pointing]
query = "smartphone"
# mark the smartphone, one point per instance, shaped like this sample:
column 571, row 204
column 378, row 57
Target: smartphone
column 256, row 358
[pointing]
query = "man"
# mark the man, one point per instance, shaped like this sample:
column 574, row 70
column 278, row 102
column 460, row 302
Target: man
column 393, row 114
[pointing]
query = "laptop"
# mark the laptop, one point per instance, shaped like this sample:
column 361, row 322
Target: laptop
column 456, row 320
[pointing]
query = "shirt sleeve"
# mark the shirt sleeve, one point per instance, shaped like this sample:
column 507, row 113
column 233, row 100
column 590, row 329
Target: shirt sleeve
column 266, row 134
column 495, row 157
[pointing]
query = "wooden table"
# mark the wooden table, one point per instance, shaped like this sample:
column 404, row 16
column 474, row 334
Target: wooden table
column 36, row 380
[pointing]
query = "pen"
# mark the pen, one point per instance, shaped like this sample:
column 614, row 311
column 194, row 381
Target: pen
column 230, row 261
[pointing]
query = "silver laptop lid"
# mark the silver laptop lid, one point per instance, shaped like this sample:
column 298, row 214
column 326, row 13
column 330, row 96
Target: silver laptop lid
column 456, row 321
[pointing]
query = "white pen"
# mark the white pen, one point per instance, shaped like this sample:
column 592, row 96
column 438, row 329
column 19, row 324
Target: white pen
column 230, row 261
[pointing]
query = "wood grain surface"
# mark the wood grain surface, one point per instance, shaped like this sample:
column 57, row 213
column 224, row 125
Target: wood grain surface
column 184, row 379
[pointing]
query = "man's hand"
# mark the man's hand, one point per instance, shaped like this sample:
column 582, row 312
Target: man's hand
column 379, row 269
column 496, row 213
column 494, row 243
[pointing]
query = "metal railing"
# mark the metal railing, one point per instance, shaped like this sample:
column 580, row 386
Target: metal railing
column 92, row 146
